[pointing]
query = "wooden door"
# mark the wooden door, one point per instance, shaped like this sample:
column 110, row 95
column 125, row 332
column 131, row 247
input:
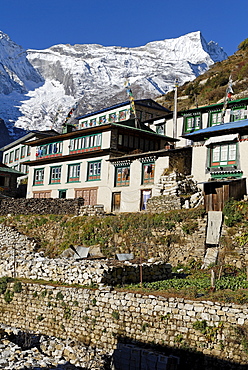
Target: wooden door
column 116, row 202
column 88, row 194
column 145, row 195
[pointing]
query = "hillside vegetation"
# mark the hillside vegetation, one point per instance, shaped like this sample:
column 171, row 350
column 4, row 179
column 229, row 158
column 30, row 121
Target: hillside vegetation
column 112, row 233
column 210, row 87
column 140, row 233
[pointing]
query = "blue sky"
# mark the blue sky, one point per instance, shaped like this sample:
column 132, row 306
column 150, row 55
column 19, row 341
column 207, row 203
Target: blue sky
column 40, row 24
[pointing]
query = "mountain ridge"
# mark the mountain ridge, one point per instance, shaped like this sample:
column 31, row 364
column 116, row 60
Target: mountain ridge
column 44, row 84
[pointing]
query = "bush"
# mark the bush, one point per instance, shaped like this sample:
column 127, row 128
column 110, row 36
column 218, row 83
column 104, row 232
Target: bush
column 17, row 288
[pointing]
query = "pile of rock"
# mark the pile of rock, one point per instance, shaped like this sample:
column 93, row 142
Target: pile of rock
column 175, row 191
column 176, row 184
column 46, row 353
column 19, row 259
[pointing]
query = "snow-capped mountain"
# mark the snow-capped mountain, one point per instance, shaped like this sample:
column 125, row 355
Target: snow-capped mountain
column 38, row 87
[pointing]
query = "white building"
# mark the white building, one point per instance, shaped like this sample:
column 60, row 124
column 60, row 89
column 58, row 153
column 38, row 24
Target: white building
column 91, row 162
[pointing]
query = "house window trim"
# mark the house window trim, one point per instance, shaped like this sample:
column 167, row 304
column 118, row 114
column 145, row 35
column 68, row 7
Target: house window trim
column 23, row 151
column 122, row 182
column 11, row 156
column 55, row 180
column 86, row 143
column 194, row 127
column 41, row 182
column 94, row 177
column 244, row 108
column 71, row 179
column 224, row 163
column 50, row 153
column 150, row 180
column 217, row 112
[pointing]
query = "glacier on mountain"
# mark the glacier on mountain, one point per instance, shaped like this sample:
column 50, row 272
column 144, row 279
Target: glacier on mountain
column 38, row 87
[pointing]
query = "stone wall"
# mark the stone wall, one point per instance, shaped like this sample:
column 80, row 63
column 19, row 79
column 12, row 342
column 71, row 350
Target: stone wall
column 19, row 258
column 84, row 272
column 105, row 317
column 174, row 191
column 162, row 203
column 44, row 206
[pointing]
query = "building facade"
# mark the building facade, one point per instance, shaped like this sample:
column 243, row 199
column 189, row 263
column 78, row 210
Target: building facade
column 89, row 163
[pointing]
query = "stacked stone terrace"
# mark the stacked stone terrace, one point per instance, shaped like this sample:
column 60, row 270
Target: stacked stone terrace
column 18, row 258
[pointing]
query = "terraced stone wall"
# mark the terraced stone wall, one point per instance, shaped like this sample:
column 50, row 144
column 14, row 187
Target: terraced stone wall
column 105, row 317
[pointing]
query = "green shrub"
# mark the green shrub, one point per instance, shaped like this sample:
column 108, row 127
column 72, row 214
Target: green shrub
column 8, row 296
column 243, row 45
column 232, row 213
column 59, row 296
column 17, row 288
column 116, row 315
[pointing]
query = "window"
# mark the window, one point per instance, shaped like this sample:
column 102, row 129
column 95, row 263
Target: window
column 148, row 173
column 102, row 120
column 6, row 158
column 55, row 175
column 83, row 144
column 49, row 150
column 17, row 153
column 24, row 168
column 122, row 115
column 94, row 170
column 215, row 118
column 28, row 151
column 122, row 176
column 62, row 194
column 84, row 124
column 93, row 122
column 112, row 117
column 73, row 172
column 39, row 176
column 23, row 151
column 2, row 180
column 11, row 157
column 192, row 123
column 223, row 155
column 238, row 114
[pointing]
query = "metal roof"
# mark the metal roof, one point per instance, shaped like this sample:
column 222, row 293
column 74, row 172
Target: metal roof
column 216, row 105
column 11, row 170
column 29, row 135
column 218, row 129
column 140, row 102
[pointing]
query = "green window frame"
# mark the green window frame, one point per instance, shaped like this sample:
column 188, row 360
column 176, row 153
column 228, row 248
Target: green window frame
column 11, row 157
column 38, row 176
column 223, row 155
column 74, row 172
column 93, row 122
column 94, row 170
column 85, row 143
column 123, row 115
column 215, row 118
column 49, row 150
column 192, row 123
column 17, row 154
column 84, row 124
column 55, row 175
column 23, row 151
column 238, row 114
column 122, row 175
column 102, row 120
column 6, row 158
column 112, row 117
column 62, row 193
column 148, row 173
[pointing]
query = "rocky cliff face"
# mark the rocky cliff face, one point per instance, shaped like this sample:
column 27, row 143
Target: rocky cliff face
column 40, row 86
